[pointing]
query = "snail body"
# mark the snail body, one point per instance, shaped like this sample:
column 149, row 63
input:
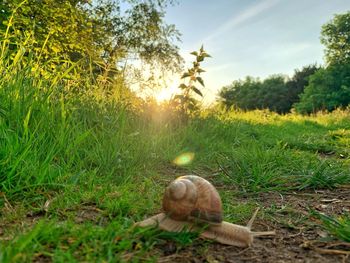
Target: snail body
column 191, row 203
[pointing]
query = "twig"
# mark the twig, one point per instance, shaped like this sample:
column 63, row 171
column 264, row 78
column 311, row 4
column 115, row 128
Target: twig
column 332, row 251
column 310, row 244
column 7, row 203
column 345, row 244
column 167, row 258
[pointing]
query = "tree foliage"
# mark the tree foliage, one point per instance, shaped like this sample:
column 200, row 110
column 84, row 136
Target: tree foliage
column 335, row 35
column 298, row 82
column 328, row 89
column 100, row 31
column 240, row 93
column 276, row 93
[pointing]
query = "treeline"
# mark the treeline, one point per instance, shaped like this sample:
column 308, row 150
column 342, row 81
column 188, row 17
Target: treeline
column 277, row 93
column 310, row 89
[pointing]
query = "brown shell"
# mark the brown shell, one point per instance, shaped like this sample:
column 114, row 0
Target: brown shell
column 192, row 198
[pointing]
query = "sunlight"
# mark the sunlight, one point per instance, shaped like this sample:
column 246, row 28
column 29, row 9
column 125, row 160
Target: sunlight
column 167, row 93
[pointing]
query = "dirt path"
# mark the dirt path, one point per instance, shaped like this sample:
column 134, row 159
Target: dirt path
column 298, row 236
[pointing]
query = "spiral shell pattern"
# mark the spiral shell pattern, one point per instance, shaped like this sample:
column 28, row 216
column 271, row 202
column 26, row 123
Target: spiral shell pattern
column 192, row 198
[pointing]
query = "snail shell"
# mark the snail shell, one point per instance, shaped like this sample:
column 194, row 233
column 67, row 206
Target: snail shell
column 192, row 198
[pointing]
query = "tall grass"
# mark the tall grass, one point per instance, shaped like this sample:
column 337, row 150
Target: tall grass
column 52, row 133
column 72, row 148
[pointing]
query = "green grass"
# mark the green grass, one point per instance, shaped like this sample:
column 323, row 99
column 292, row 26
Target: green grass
column 69, row 242
column 338, row 227
column 77, row 171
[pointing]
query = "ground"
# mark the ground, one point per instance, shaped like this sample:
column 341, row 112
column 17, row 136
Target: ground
column 292, row 167
column 297, row 239
column 299, row 236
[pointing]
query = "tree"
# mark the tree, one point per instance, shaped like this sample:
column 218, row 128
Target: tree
column 250, row 94
column 276, row 93
column 98, row 32
column 298, row 82
column 328, row 89
column 273, row 94
column 335, row 35
column 241, row 94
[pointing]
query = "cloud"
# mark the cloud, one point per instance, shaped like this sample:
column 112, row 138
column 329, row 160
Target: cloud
column 283, row 51
column 237, row 20
column 220, row 67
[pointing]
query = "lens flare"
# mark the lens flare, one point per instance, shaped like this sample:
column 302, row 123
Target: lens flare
column 184, row 159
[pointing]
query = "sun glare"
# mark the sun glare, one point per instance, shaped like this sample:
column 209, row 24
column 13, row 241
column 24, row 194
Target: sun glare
column 184, row 159
column 166, row 93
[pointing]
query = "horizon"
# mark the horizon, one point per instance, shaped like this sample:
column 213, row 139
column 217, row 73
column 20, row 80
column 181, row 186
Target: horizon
column 251, row 38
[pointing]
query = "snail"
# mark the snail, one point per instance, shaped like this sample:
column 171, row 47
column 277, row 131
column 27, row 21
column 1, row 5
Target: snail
column 192, row 203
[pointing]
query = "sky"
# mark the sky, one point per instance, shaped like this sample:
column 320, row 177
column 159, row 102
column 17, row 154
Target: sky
column 252, row 37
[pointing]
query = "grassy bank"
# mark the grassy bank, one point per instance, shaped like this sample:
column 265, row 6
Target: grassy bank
column 76, row 171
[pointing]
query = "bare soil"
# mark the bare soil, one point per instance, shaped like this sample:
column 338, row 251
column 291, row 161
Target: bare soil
column 298, row 235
